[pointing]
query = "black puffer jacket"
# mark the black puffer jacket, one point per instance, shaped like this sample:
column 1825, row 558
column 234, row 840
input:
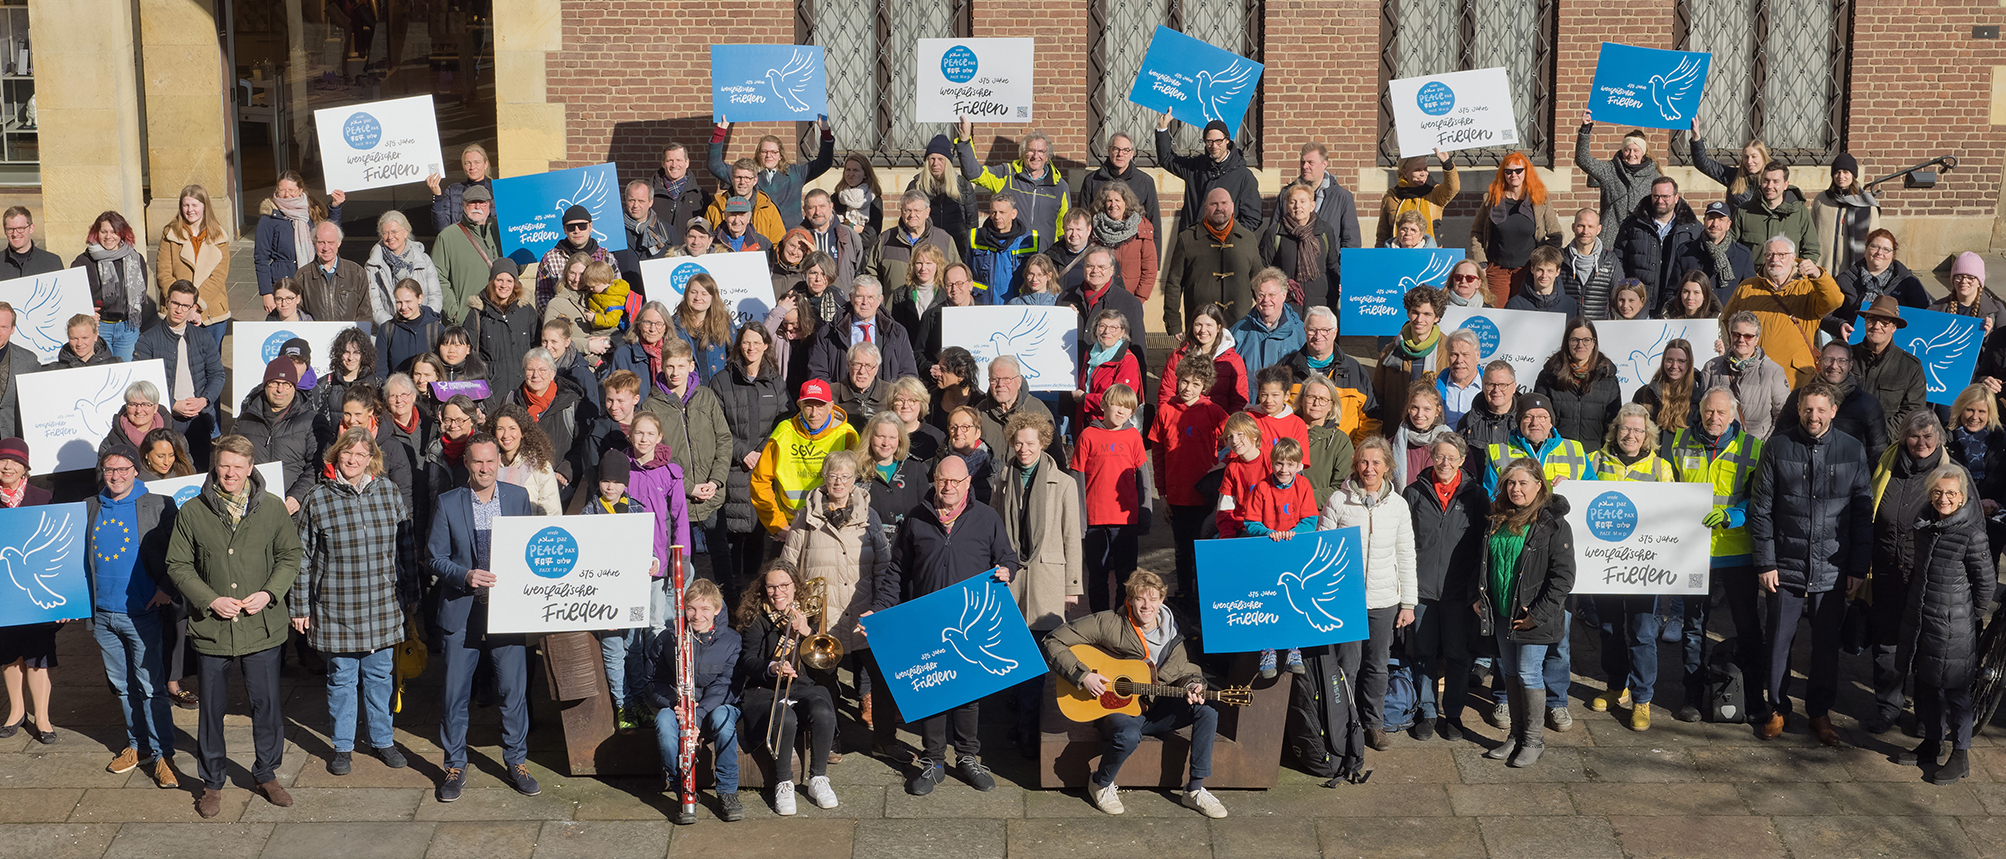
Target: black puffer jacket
column 1546, row 576
column 1583, row 414
column 291, row 438
column 1947, row 597
column 501, row 335
column 1481, row 429
column 1448, row 541
column 1811, row 516
column 1859, row 416
column 1898, row 510
column 753, row 406
column 564, row 422
column 1649, row 258
column 894, row 498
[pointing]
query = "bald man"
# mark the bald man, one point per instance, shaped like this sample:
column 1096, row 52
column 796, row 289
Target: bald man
column 1214, row 263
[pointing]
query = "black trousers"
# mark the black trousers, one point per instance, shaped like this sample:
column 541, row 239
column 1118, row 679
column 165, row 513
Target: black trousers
column 1111, row 552
column 1944, row 714
column 961, row 721
column 809, row 700
column 268, row 725
column 1827, row 618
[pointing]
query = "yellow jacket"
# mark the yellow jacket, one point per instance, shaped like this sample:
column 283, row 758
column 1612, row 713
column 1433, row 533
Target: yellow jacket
column 790, row 466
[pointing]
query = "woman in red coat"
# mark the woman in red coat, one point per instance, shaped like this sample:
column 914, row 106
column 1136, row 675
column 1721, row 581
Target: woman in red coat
column 1206, row 334
column 1120, row 225
column 1108, row 363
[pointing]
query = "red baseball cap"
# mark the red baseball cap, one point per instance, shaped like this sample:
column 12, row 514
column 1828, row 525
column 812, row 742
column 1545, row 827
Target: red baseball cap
column 817, row 390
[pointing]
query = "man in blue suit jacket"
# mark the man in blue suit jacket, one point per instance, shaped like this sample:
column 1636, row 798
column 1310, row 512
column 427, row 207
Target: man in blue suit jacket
column 462, row 529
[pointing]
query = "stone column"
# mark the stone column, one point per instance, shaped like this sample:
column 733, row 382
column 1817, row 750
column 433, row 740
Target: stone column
column 187, row 138
column 530, row 129
column 87, row 92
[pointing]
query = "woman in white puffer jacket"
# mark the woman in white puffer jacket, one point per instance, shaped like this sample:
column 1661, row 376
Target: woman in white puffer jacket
column 1369, row 501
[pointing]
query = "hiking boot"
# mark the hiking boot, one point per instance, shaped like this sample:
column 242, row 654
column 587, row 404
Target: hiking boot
column 341, row 764
column 1600, row 703
column 729, row 808
column 1957, row 767
column 1640, row 718
column 163, row 774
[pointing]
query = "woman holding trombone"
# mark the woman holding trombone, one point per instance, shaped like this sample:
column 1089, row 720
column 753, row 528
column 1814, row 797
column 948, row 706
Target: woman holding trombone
column 773, row 620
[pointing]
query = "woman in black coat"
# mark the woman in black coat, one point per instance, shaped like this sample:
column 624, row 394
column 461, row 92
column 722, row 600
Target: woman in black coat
column 503, row 324
column 1582, row 384
column 751, row 392
column 1299, row 242
column 896, row 474
column 1947, row 597
column 1902, row 482
column 1528, row 571
column 1448, row 507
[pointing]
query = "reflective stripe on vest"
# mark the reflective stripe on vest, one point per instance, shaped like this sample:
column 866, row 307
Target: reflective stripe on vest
column 1650, row 469
column 1568, row 460
column 1738, row 458
column 798, row 469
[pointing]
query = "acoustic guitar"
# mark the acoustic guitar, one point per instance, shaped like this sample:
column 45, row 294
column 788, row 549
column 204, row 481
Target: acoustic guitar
column 1127, row 682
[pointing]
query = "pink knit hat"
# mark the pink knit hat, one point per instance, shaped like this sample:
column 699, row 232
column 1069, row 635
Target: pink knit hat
column 1971, row 264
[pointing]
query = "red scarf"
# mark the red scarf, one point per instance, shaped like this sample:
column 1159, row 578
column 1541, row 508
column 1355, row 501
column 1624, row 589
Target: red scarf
column 135, row 433
column 654, row 359
column 1446, row 491
column 453, row 448
column 947, row 517
column 1219, row 234
column 411, row 427
column 14, row 497
column 538, row 403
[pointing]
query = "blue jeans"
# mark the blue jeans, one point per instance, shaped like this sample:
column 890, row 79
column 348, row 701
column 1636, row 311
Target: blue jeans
column 131, row 647
column 1629, row 643
column 120, row 336
column 1521, row 662
column 1558, row 668
column 623, row 651
column 1167, row 714
column 720, row 725
column 370, row 671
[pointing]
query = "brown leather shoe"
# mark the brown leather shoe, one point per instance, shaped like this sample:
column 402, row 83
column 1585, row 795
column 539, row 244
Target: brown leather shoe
column 275, row 794
column 210, row 803
column 1772, row 727
column 1377, row 739
column 163, row 774
column 1822, row 726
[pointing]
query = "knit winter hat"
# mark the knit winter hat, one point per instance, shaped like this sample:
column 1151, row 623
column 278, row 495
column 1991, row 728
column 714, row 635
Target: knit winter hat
column 1845, row 161
column 281, row 369
column 1529, row 401
column 941, row 146
column 615, row 468
column 1219, row 126
column 17, row 450
column 577, row 214
column 1971, row 264
column 504, row 264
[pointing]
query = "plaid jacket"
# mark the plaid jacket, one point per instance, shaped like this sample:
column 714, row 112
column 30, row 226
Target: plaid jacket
column 358, row 570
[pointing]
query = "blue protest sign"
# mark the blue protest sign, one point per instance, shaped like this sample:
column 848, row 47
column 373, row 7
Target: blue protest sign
column 1255, row 593
column 1647, row 87
column 1375, row 280
column 530, row 209
column 761, row 83
column 953, row 646
column 1194, row 81
column 43, row 556
column 1946, row 344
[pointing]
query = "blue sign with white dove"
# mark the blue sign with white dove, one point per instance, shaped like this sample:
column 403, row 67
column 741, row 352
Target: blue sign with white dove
column 43, row 555
column 767, row 83
column 1375, row 280
column 1045, row 340
column 1946, row 344
column 1255, row 593
column 1647, row 87
column 1195, row 81
column 530, row 209
column 953, row 646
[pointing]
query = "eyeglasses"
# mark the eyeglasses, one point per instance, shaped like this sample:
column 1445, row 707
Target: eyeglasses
column 1940, row 494
column 119, row 469
column 949, row 481
column 1214, row 140
column 1513, row 171
column 840, row 479
column 1580, row 341
column 1121, row 150
column 1464, row 278
column 1740, row 336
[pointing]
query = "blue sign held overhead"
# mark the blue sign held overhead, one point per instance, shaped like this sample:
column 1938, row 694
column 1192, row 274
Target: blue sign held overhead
column 1647, row 87
column 1194, row 81
column 42, row 555
column 767, row 83
column 1946, row 344
column 1255, row 593
column 1374, row 282
column 953, row 646
column 530, row 209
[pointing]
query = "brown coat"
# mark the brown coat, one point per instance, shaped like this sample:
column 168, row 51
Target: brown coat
column 1789, row 316
column 207, row 266
column 345, row 298
column 854, row 560
column 1051, row 570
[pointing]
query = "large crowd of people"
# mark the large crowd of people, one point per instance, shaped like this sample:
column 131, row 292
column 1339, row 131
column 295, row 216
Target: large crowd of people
column 842, row 443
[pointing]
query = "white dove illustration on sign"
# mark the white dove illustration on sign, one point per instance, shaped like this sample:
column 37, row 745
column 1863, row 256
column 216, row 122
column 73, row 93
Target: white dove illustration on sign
column 42, row 320
column 1026, row 337
column 97, row 408
column 1215, row 92
column 41, row 557
column 1643, row 362
column 1942, row 351
column 593, row 193
column 1313, row 591
column 979, row 634
column 790, row 81
column 1437, row 267
column 1669, row 90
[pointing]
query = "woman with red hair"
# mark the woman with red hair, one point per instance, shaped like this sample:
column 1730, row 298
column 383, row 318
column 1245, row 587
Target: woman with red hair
column 1515, row 218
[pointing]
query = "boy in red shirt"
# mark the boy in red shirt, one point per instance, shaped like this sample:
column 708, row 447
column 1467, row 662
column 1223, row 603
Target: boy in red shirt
column 1246, row 465
column 1276, row 508
column 1271, row 410
column 1185, row 444
column 1110, row 458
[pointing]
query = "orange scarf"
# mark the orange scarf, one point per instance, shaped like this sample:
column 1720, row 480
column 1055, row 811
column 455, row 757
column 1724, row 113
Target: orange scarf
column 1218, row 233
column 538, row 404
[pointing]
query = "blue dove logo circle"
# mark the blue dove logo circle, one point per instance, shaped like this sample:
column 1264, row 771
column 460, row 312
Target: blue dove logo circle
column 273, row 344
column 186, row 494
column 680, row 276
column 1435, row 98
column 1611, row 517
column 362, row 131
column 1487, row 333
column 552, row 553
column 958, row 64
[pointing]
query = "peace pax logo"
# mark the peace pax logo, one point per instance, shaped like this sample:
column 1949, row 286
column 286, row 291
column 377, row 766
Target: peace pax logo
column 362, row 131
column 958, row 64
column 679, row 276
column 552, row 553
column 186, row 494
column 1488, row 336
column 1611, row 517
column 272, row 345
column 1435, row 98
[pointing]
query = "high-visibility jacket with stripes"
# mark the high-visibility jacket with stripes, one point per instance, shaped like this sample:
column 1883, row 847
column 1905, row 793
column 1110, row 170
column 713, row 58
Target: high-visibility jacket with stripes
column 1730, row 466
column 1650, row 469
column 790, row 466
column 1558, row 458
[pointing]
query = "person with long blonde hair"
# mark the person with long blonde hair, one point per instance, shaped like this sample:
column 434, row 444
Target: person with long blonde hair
column 703, row 321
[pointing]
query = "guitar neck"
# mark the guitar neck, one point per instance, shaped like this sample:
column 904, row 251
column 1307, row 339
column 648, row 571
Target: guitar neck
column 1130, row 688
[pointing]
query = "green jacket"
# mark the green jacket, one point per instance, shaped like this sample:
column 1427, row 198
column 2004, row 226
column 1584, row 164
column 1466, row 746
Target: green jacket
column 463, row 265
column 699, row 440
column 208, row 558
column 1756, row 223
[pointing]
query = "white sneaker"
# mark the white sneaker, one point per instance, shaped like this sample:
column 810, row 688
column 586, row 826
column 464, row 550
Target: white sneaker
column 1205, row 802
column 1107, row 799
column 820, row 793
column 783, row 799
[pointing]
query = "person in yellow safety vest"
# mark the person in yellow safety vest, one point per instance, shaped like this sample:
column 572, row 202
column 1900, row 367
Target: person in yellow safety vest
column 790, row 465
column 1717, row 451
column 1560, row 459
column 1629, row 622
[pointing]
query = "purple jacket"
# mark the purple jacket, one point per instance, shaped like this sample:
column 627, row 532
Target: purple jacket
column 659, row 487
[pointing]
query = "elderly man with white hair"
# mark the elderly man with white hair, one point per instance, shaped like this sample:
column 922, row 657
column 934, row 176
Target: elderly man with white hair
column 1461, row 380
column 333, row 289
column 1009, row 394
column 860, row 392
column 1718, row 452
column 1788, row 296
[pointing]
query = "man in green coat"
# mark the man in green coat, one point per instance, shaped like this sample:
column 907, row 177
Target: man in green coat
column 465, row 254
column 233, row 555
column 1777, row 210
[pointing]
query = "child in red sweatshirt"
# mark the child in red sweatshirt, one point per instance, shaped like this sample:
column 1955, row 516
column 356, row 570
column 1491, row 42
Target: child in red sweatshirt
column 1277, row 508
column 1184, row 444
column 1111, row 460
column 1271, row 410
column 1246, row 464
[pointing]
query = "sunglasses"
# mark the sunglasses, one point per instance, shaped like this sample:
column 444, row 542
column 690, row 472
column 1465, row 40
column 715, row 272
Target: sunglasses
column 577, row 228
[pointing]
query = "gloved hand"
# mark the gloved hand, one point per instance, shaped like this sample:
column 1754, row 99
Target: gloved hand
column 1715, row 518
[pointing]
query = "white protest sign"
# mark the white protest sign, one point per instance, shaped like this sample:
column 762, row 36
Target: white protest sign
column 379, row 144
column 743, row 280
column 43, row 305
column 1639, row 537
column 1637, row 347
column 181, row 489
column 66, row 413
column 1522, row 338
column 986, row 80
column 1045, row 340
column 566, row 573
column 1458, row 110
column 255, row 344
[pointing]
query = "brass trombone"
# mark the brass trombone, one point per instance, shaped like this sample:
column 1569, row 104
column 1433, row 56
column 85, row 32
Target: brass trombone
column 810, row 603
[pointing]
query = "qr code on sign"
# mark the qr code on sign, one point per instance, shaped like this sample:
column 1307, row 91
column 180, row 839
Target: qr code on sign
column 637, row 614
column 1023, row 111
column 1695, row 581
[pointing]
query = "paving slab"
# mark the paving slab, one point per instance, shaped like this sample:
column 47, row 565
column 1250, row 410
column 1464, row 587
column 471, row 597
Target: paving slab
column 1697, row 837
column 43, row 805
column 1683, row 799
column 1547, row 837
column 336, row 805
column 1658, row 763
column 189, row 841
column 1854, row 836
column 1401, row 838
column 1110, row 838
column 1556, row 765
column 496, row 803
column 484, row 840
column 603, row 839
column 349, row 841
column 56, row 840
column 773, row 839
column 153, row 805
column 1508, row 800
column 930, row 838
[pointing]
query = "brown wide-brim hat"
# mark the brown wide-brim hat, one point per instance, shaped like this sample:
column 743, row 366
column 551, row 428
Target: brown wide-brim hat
column 1885, row 307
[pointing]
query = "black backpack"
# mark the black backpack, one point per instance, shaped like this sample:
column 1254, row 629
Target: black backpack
column 1325, row 734
column 1725, row 700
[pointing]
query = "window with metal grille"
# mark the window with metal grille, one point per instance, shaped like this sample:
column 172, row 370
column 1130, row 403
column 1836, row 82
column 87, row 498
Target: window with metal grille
column 1779, row 69
column 1432, row 37
column 869, row 53
column 1122, row 30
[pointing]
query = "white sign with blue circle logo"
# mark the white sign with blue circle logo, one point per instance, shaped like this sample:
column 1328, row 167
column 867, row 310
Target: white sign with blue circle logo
column 567, row 573
column 1458, row 110
column 986, row 80
column 1639, row 537
column 184, row 489
column 744, row 281
column 1522, row 338
column 380, row 143
column 254, row 345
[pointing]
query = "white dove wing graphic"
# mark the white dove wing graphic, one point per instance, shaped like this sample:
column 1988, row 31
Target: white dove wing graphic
column 591, row 194
column 1318, row 585
column 1216, row 91
column 980, row 632
column 42, row 320
column 91, row 407
column 40, row 558
column 1943, row 349
column 791, row 81
column 1669, row 90
column 1026, row 336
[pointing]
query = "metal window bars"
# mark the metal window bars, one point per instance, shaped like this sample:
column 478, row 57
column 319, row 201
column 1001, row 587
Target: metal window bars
column 868, row 46
column 1779, row 70
column 1122, row 30
column 1430, row 37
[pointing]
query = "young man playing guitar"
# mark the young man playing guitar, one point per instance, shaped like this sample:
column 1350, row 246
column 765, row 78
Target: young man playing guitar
column 1141, row 629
